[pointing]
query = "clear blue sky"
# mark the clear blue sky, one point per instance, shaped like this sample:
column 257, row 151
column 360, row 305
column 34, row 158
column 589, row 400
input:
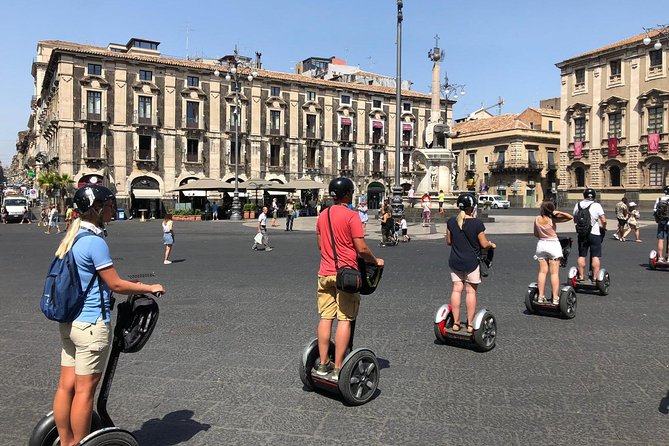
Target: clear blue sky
column 495, row 47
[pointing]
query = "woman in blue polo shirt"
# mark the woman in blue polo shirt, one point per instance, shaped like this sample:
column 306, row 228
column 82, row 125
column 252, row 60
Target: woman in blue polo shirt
column 86, row 341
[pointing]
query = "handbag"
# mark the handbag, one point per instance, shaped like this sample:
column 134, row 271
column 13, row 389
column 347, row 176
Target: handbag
column 348, row 279
column 484, row 260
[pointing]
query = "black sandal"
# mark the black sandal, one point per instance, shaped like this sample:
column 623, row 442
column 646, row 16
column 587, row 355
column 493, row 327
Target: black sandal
column 468, row 327
column 456, row 324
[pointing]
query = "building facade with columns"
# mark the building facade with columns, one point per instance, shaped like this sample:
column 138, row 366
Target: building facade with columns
column 144, row 124
column 512, row 155
column 614, row 113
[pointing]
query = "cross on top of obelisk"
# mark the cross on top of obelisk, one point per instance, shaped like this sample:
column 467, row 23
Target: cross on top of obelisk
column 436, row 40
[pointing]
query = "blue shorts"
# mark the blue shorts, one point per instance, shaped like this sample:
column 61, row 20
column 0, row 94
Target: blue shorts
column 593, row 243
column 168, row 239
column 662, row 229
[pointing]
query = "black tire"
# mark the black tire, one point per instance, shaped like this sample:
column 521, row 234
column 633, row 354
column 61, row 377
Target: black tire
column 495, row 206
column 313, row 360
column 359, row 378
column 112, row 438
column 530, row 297
column 46, row 434
column 604, row 285
column 439, row 329
column 486, row 335
column 568, row 303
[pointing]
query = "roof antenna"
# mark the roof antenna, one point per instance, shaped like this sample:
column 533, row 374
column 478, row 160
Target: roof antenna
column 188, row 30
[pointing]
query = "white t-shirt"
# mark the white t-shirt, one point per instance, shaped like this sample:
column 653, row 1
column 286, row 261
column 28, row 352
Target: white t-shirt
column 53, row 213
column 262, row 218
column 596, row 211
column 403, row 224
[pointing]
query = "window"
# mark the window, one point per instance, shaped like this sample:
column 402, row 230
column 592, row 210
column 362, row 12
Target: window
column 93, row 104
column 550, row 126
column 93, row 143
column 345, row 129
column 144, row 111
column 145, row 45
column 311, row 96
column 655, row 58
column 234, row 118
column 500, row 158
column 532, row 159
column 274, row 154
column 377, row 134
column 551, row 160
column 275, row 91
column 579, row 174
column 615, row 125
column 193, row 81
column 376, row 161
column 406, row 136
column 144, row 152
column 654, row 175
column 192, row 150
column 274, row 121
column 145, row 75
column 655, row 118
column 345, row 99
column 614, row 70
column 579, row 129
column 344, row 161
column 377, row 103
column 94, row 69
column 485, row 160
column 311, row 158
column 406, row 161
column 579, row 77
column 192, row 114
column 311, row 125
column 406, row 106
column 531, row 125
column 614, row 173
column 471, row 161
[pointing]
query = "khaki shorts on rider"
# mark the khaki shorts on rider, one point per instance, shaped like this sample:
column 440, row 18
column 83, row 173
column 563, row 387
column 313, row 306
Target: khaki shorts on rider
column 334, row 303
column 472, row 277
column 85, row 346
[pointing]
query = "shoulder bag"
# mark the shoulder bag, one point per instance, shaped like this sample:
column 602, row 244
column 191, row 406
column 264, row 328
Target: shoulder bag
column 485, row 261
column 348, row 279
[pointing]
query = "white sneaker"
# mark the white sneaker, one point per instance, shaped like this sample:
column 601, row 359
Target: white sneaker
column 268, row 249
column 616, row 236
column 167, row 262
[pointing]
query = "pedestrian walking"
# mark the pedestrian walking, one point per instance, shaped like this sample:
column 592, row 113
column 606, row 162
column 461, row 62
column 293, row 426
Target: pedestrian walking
column 168, row 237
column 633, row 222
column 590, row 236
column 621, row 215
column 442, row 198
column 427, row 212
column 290, row 214
column 549, row 250
column 275, row 212
column 44, row 217
column 4, row 215
column 363, row 213
column 405, row 229
column 25, row 218
column 53, row 220
column 412, row 196
column 341, row 239
column 214, row 211
column 387, row 224
column 86, row 341
column 465, row 234
column 261, row 237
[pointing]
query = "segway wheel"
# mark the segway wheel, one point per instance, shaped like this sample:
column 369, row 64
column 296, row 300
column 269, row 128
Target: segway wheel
column 603, row 285
column 530, row 296
column 652, row 260
column 110, row 438
column 440, row 329
column 313, row 360
column 359, row 378
column 486, row 334
column 46, row 434
column 568, row 303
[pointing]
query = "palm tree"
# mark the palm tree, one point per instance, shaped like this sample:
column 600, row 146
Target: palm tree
column 55, row 184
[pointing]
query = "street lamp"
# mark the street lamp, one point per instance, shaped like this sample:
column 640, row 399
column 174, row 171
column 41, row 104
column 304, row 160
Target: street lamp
column 451, row 90
column 234, row 75
column 397, row 206
column 662, row 32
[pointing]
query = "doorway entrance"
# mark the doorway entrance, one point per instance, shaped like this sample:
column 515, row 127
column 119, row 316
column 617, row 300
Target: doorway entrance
column 375, row 195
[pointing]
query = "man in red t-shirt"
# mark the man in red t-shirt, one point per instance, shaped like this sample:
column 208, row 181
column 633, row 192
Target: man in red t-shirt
column 349, row 239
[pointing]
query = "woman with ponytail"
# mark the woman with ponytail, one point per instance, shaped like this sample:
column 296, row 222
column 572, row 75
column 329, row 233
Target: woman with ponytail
column 86, row 340
column 465, row 234
column 549, row 250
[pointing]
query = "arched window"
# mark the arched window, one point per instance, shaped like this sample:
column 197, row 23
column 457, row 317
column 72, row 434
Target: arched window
column 579, row 173
column 655, row 175
column 614, row 173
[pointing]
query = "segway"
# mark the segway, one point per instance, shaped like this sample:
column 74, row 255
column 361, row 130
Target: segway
column 359, row 373
column 654, row 257
column 601, row 284
column 484, row 335
column 136, row 319
column 567, row 303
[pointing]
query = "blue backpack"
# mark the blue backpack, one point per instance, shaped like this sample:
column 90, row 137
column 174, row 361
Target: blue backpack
column 62, row 299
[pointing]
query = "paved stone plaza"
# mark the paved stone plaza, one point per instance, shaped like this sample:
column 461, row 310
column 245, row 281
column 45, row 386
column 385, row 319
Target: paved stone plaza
column 221, row 365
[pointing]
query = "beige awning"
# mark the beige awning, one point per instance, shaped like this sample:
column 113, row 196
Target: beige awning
column 147, row 193
column 206, row 184
column 304, row 183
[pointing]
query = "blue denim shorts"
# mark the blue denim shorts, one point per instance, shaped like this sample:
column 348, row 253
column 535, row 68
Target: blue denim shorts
column 168, row 239
column 662, row 231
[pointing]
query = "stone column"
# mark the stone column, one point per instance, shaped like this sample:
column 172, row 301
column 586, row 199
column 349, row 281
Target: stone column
column 169, row 133
column 214, row 129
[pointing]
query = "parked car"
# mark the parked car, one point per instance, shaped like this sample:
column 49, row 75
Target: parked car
column 494, row 201
column 15, row 205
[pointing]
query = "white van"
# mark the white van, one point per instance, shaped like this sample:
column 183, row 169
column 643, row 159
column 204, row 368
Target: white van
column 495, row 201
column 15, row 205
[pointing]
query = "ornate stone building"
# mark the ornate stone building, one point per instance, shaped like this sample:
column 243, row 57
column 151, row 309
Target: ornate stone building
column 614, row 111
column 143, row 124
column 511, row 155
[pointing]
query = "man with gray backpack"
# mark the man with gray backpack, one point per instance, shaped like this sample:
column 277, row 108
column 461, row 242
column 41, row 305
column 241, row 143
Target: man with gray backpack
column 590, row 223
column 661, row 214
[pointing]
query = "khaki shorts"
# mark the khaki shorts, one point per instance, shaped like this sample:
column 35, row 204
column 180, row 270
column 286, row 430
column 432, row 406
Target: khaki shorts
column 473, row 277
column 85, row 346
column 334, row 303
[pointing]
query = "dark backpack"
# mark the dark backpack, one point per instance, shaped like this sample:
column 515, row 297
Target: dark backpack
column 62, row 299
column 583, row 221
column 662, row 212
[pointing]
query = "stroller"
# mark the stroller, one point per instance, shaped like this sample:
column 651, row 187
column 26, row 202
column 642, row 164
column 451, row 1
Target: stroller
column 391, row 233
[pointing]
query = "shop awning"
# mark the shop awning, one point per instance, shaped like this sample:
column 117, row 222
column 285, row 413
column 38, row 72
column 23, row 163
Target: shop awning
column 377, row 124
column 147, row 193
column 195, row 193
column 345, row 121
column 277, row 192
column 407, row 127
column 241, row 194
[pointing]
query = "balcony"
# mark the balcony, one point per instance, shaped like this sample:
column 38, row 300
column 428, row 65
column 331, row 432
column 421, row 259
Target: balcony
column 663, row 145
column 377, row 140
column 515, row 166
column 312, row 133
column 87, row 116
column 312, row 170
column 345, row 136
column 471, row 167
column 378, row 172
column 406, row 172
column 275, row 168
column 144, row 156
column 145, row 121
column 346, row 172
column 408, row 144
column 274, row 131
column 229, row 127
column 93, row 155
column 193, row 124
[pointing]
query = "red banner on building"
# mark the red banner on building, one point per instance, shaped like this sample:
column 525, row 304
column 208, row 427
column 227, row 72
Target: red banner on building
column 653, row 142
column 613, row 147
column 578, row 149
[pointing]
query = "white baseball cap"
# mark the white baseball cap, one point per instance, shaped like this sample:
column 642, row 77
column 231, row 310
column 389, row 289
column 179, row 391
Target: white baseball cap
column 632, row 204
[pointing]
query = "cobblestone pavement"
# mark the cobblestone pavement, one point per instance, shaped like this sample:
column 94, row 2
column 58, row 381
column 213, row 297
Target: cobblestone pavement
column 221, row 365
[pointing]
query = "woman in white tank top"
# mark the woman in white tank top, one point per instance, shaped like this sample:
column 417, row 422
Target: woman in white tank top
column 168, row 237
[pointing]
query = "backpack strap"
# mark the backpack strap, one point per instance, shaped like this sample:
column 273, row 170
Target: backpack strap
column 96, row 275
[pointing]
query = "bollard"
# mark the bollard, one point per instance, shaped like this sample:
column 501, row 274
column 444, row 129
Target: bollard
column 142, row 219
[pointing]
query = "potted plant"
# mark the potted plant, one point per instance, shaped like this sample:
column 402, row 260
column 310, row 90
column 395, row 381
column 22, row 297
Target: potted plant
column 249, row 210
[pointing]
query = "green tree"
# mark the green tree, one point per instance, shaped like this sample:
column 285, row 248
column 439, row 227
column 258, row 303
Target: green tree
column 55, row 186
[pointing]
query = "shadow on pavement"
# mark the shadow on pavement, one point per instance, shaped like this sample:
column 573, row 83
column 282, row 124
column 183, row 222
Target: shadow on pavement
column 174, row 428
column 664, row 404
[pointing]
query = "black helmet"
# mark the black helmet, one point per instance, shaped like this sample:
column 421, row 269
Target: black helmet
column 341, row 187
column 86, row 196
column 466, row 201
column 589, row 194
column 666, row 190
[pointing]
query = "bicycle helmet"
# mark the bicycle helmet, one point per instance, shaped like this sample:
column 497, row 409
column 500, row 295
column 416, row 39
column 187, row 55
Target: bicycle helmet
column 86, row 196
column 466, row 201
column 666, row 190
column 341, row 187
column 589, row 194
